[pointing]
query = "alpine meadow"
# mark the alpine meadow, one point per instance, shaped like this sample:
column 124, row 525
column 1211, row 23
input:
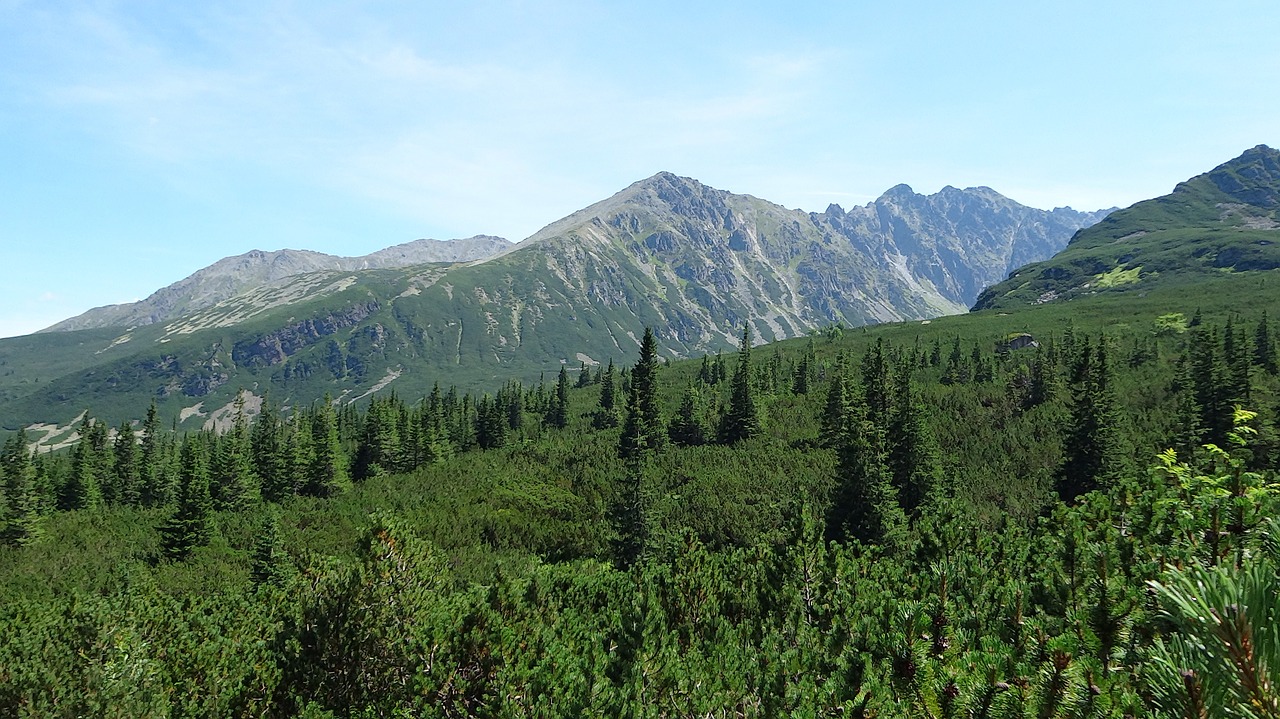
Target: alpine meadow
column 682, row 453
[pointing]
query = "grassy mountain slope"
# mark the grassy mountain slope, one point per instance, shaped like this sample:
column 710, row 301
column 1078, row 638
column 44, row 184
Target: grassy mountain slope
column 1222, row 221
column 667, row 252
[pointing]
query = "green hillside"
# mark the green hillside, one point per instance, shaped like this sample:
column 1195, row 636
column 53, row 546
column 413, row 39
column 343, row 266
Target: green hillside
column 869, row 551
column 1224, row 221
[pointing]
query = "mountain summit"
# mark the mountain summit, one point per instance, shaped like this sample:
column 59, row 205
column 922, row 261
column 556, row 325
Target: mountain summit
column 693, row 262
column 1222, row 221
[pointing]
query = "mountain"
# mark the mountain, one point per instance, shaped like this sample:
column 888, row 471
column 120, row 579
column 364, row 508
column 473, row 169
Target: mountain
column 1223, row 221
column 231, row 276
column 691, row 261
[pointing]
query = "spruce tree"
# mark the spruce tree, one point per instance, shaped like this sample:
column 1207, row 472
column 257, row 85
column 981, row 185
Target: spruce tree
column 270, row 454
column 864, row 503
column 877, row 386
column 686, row 428
column 1264, row 348
column 742, row 420
column 837, row 407
column 1094, row 447
column 190, row 525
column 20, row 523
column 127, row 466
column 233, row 483
column 558, row 414
column 83, row 488
column 154, row 490
column 270, row 564
column 913, row 453
column 606, row 414
column 642, row 431
column 327, row 474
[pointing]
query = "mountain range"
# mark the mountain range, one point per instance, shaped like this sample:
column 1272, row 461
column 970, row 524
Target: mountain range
column 1223, row 221
column 694, row 262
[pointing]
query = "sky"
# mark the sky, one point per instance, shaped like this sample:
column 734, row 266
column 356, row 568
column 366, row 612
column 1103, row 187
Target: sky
column 141, row 141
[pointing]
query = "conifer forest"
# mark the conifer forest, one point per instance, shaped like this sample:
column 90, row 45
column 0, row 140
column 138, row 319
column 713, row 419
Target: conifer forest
column 1050, row 515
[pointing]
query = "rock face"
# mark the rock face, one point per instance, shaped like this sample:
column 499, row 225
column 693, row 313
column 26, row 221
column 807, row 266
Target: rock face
column 1222, row 221
column 231, row 276
column 692, row 262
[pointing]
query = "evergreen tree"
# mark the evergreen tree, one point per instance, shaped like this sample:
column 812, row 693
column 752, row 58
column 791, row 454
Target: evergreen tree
column 270, row 562
column 191, row 523
column 837, row 408
column 558, row 415
column 584, row 375
column 20, row 523
column 642, row 431
column 607, row 413
column 877, row 386
column 233, row 482
column 686, row 428
column 127, row 465
column 1209, row 377
column 1188, row 432
column 864, row 504
column 270, row 452
column 154, row 490
column 957, row 371
column 83, row 488
column 913, row 453
column 628, row 515
column 491, row 423
column 741, row 421
column 1094, row 447
column 327, row 474
column 1238, row 360
column 1264, row 349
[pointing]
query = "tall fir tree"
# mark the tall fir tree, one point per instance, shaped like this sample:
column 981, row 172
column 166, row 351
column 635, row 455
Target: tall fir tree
column 191, row 523
column 270, row 455
column 864, row 504
column 837, row 408
column 742, row 420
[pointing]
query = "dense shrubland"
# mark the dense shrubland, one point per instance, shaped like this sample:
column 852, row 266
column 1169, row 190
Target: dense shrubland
column 907, row 521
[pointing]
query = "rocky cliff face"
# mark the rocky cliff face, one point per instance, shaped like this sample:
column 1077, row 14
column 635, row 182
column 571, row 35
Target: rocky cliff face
column 231, row 276
column 693, row 262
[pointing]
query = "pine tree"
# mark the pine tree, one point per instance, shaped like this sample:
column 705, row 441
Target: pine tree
column 584, row 375
column 1209, row 377
column 864, row 504
column 190, row 525
column 741, row 421
column 491, row 423
column 628, row 515
column 877, row 386
column 642, row 431
column 837, row 408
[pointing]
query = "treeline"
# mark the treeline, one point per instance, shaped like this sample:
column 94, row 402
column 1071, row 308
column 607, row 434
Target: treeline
column 943, row 528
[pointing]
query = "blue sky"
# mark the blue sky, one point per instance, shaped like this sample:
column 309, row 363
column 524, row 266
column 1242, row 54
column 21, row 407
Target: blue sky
column 141, row 141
